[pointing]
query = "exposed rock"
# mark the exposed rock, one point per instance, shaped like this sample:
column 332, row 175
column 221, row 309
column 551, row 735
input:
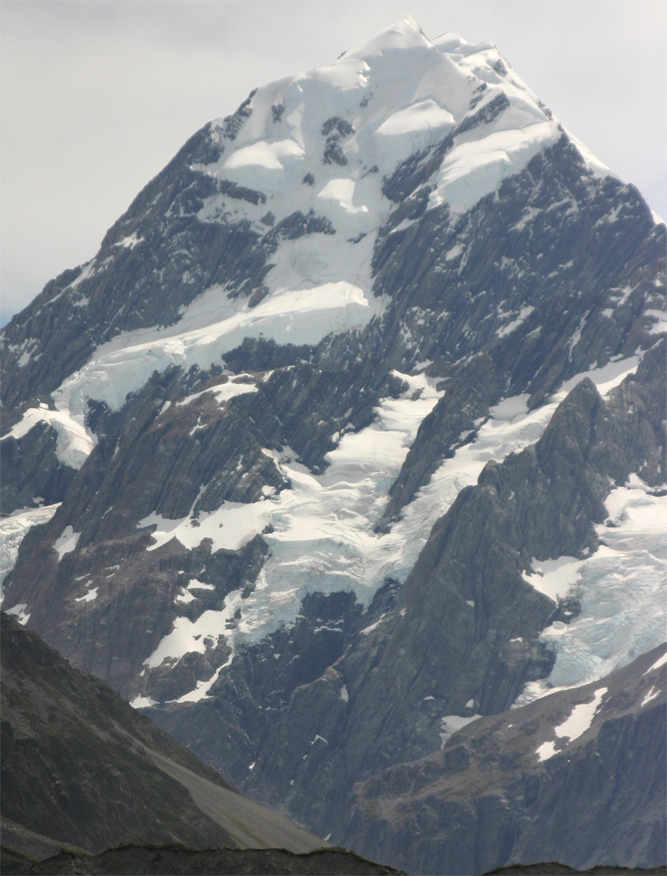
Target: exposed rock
column 32, row 474
column 489, row 798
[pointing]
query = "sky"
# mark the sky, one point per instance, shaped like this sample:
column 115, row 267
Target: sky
column 96, row 97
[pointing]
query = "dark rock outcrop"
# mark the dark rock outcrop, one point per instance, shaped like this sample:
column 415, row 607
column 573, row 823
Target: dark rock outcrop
column 136, row 860
column 32, row 474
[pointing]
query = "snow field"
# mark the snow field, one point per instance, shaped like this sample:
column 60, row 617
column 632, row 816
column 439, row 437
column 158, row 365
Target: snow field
column 476, row 168
column 387, row 97
column 622, row 589
column 397, row 91
column 303, row 316
column 324, row 539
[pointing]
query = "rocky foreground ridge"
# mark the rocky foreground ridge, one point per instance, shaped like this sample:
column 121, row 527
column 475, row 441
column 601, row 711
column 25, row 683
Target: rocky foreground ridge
column 81, row 768
column 351, row 433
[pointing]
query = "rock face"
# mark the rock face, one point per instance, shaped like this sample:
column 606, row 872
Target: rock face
column 516, row 787
column 353, row 427
column 462, row 636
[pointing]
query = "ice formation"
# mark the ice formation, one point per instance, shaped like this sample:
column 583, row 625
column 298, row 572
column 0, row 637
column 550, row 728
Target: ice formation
column 379, row 102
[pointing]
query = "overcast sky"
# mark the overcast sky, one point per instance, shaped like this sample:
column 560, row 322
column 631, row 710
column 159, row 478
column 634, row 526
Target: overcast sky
column 98, row 96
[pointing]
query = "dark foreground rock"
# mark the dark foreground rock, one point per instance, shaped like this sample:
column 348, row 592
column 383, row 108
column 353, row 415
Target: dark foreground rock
column 556, row 869
column 178, row 860
column 80, row 766
column 18, row 840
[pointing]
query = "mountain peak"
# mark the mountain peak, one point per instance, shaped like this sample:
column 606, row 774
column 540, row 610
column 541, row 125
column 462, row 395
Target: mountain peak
column 403, row 34
column 336, row 500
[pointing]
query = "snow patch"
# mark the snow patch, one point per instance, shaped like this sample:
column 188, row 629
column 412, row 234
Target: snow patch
column 581, row 717
column 554, row 578
column 199, row 585
column 88, row 597
column 222, row 393
column 74, row 442
column 185, row 597
column 130, row 241
column 546, row 750
column 13, row 529
column 575, row 726
column 605, row 378
column 651, row 695
column 524, row 313
column 230, row 527
column 661, row 661
column 451, row 724
column 201, row 691
column 140, row 702
column 193, row 636
column 66, row 542
column 19, row 612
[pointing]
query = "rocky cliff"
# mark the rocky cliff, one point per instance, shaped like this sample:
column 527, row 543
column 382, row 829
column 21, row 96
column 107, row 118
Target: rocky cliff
column 553, row 779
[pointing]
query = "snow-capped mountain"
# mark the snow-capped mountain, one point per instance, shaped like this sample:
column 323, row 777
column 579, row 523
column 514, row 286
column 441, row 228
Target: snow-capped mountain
column 352, row 431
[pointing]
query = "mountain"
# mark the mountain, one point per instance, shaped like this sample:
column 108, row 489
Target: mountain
column 352, row 431
column 81, row 767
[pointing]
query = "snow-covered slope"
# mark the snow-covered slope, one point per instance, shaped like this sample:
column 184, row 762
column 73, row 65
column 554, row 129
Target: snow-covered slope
column 348, row 126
